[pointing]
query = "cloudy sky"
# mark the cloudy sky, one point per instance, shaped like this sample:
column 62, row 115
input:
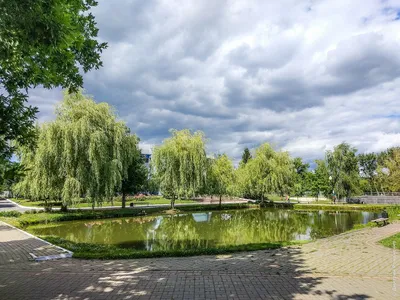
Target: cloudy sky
column 302, row 75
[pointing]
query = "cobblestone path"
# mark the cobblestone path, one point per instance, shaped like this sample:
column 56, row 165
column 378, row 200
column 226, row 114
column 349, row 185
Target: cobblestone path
column 347, row 266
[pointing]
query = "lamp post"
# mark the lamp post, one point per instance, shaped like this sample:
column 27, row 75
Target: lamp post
column 333, row 190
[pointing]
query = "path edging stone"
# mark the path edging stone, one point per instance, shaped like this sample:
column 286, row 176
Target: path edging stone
column 68, row 253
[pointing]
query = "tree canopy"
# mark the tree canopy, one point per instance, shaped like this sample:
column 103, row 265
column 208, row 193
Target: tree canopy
column 343, row 170
column 85, row 151
column 180, row 164
column 222, row 176
column 269, row 171
column 246, row 156
column 41, row 43
column 389, row 170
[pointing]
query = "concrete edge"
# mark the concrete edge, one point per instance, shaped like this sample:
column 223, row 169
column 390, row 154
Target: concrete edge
column 39, row 258
column 25, row 207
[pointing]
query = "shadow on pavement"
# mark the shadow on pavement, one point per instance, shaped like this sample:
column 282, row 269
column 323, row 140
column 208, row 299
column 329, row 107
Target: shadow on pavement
column 270, row 274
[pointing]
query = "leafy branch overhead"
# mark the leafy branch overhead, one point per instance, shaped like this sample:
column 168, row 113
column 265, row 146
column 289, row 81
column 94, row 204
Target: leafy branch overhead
column 46, row 43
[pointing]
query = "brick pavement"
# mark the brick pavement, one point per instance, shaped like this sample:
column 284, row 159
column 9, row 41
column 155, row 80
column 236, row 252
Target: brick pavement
column 17, row 246
column 348, row 266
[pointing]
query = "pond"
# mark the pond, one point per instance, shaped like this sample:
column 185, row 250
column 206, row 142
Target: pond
column 208, row 229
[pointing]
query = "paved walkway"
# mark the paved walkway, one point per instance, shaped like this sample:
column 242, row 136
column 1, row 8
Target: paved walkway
column 6, row 205
column 19, row 247
column 348, row 266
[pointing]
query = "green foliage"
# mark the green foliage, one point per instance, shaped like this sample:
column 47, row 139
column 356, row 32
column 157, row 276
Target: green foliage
column 246, row 156
column 10, row 214
column 302, row 178
column 392, row 242
column 10, row 174
column 221, row 176
column 389, row 170
column 343, row 170
column 320, row 180
column 180, row 164
column 85, row 151
column 368, row 164
column 96, row 251
column 137, row 175
column 268, row 172
column 41, row 43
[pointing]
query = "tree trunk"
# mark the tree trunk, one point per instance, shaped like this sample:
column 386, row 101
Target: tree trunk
column 220, row 201
column 123, row 200
column 173, row 202
column 64, row 208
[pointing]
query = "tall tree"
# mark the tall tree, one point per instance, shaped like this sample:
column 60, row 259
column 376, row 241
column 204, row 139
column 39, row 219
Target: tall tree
column 301, row 178
column 320, row 180
column 246, row 156
column 389, row 170
column 222, row 174
column 180, row 164
column 268, row 172
column 343, row 170
column 368, row 164
column 41, row 43
column 85, row 151
column 137, row 175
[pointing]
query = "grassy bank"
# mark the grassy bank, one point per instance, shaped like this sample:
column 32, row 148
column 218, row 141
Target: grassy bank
column 393, row 210
column 29, row 218
column 96, row 251
column 117, row 202
column 392, row 241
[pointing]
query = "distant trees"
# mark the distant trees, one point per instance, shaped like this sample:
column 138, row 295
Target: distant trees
column 84, row 152
column 246, row 156
column 180, row 164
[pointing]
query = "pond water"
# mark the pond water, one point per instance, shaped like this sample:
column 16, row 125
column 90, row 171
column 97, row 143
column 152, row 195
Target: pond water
column 208, row 229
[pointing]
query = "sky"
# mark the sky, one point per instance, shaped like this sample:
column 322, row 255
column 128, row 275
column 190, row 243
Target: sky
column 301, row 75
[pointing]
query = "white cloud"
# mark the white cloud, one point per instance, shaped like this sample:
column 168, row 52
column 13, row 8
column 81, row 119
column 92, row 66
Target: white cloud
column 302, row 75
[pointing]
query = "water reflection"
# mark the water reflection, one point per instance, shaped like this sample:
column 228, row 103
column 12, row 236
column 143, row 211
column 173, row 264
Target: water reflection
column 209, row 229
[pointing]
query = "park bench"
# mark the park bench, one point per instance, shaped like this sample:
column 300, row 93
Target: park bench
column 131, row 204
column 382, row 221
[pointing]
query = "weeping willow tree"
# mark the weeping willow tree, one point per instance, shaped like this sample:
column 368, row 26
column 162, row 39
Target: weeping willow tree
column 180, row 164
column 85, row 152
column 267, row 172
column 221, row 176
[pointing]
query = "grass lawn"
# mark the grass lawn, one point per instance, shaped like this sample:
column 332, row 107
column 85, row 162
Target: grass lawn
column 29, row 218
column 148, row 200
column 97, row 251
column 392, row 241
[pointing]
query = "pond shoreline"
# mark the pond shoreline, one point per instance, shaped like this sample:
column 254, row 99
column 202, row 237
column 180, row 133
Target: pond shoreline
column 101, row 251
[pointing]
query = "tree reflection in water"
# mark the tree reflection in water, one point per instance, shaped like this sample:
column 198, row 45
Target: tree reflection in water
column 209, row 229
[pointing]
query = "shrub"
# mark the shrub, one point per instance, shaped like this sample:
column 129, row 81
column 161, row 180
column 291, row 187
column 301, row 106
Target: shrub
column 11, row 213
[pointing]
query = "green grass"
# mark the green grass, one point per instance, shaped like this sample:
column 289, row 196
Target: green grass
column 393, row 210
column 392, row 241
column 362, row 226
column 96, row 251
column 30, row 218
column 117, row 202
